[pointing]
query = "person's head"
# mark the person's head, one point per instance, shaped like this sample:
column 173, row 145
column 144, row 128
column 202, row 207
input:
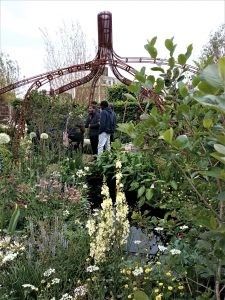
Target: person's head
column 91, row 109
column 111, row 106
column 104, row 104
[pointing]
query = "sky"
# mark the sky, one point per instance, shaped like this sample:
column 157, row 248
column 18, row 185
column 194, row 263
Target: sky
column 134, row 22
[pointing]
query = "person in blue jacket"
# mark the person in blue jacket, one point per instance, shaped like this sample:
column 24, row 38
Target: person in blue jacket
column 106, row 128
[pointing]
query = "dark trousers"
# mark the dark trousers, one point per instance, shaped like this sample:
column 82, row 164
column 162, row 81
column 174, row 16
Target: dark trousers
column 94, row 144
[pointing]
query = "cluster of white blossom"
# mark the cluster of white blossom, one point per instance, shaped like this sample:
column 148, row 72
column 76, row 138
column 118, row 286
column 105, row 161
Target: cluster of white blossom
column 49, row 272
column 80, row 291
column 9, row 249
column 30, row 286
column 138, row 271
column 66, row 297
column 4, row 138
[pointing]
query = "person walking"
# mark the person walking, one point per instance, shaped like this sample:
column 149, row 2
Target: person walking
column 106, row 127
column 93, row 123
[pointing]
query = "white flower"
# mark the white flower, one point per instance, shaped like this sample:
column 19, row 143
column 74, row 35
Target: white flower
column 91, row 269
column 4, row 138
column 52, row 298
column 80, row 173
column 175, row 251
column 55, row 280
column 32, row 287
column 86, row 169
column 152, row 186
column 85, row 186
column 80, row 291
column 32, row 135
column 66, row 297
column 137, row 242
column 66, row 213
column 162, row 248
column 183, row 227
column 49, row 272
column 9, row 257
column 138, row 271
column 158, row 229
column 44, row 136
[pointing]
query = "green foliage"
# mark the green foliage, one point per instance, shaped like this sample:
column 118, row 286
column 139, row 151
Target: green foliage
column 214, row 49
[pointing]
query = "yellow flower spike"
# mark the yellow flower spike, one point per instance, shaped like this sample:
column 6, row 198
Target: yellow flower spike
column 156, row 290
column 161, row 284
column 168, row 274
column 128, row 272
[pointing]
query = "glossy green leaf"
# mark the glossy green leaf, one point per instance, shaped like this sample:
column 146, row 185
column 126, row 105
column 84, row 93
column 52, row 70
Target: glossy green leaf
column 189, row 51
column 211, row 75
column 140, row 295
column 195, row 80
column 130, row 97
column 14, row 220
column 219, row 148
column 205, row 87
column 151, row 78
column 159, row 85
column 207, row 123
column 181, row 141
column 213, row 223
column 151, row 50
column 171, row 62
column 141, row 191
column 182, row 59
column 183, row 89
column 167, row 135
column 215, row 173
column 153, row 41
column 158, row 69
column 221, row 66
column 173, row 184
column 140, row 76
column 169, row 44
column 216, row 102
column 149, row 194
column 176, row 73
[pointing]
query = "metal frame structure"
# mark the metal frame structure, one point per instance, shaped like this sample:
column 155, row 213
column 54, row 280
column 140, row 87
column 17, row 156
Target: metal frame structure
column 105, row 56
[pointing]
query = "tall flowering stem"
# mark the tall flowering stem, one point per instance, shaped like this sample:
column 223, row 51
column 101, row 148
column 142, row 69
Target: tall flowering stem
column 101, row 229
column 123, row 226
column 109, row 228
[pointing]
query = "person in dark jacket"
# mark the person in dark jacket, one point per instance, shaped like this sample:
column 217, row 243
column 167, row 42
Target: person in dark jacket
column 106, row 127
column 93, row 123
column 75, row 130
column 114, row 123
